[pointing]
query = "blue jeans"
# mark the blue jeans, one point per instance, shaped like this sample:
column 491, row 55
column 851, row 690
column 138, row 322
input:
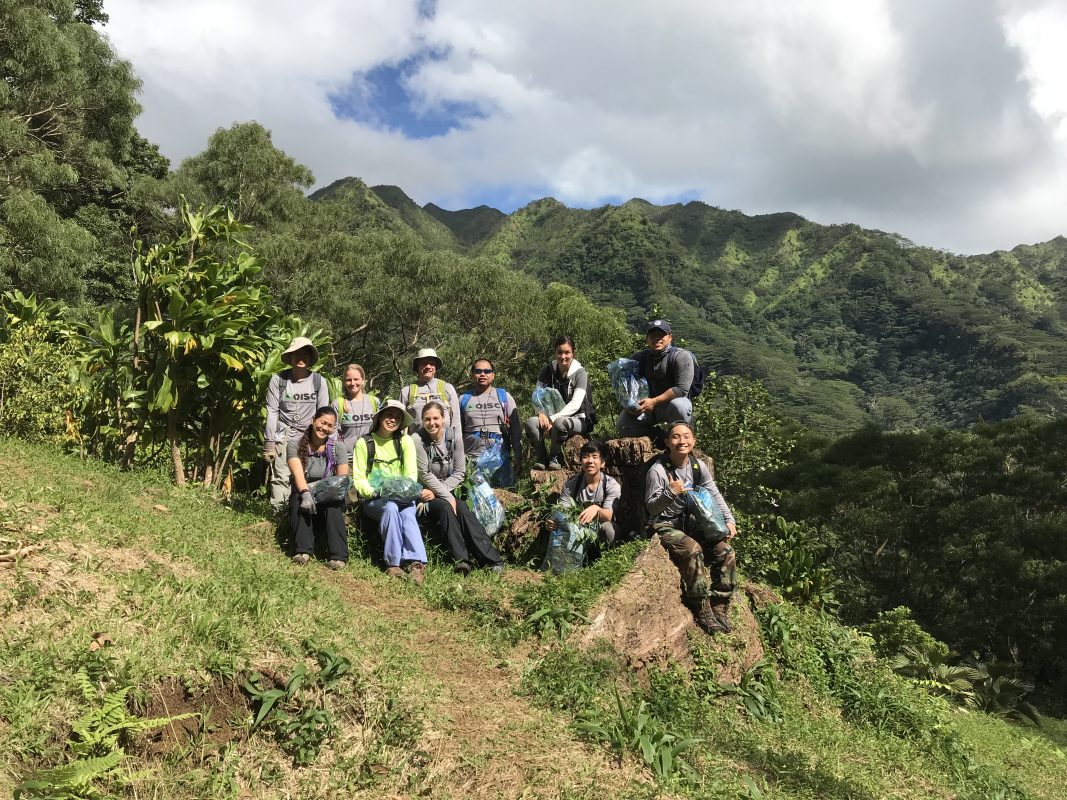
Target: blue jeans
column 399, row 530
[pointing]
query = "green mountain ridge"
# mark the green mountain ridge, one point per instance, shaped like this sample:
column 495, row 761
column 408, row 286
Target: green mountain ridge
column 845, row 325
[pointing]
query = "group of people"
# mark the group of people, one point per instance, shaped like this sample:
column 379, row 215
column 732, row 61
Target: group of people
column 431, row 432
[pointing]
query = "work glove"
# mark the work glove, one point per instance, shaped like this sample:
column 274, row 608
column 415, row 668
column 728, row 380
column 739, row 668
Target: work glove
column 307, row 502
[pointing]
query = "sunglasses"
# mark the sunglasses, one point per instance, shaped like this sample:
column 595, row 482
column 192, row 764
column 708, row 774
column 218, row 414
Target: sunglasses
column 482, row 371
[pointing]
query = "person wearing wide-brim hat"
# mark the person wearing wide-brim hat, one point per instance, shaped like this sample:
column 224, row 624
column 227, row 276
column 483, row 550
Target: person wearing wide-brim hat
column 388, row 451
column 293, row 397
column 427, row 386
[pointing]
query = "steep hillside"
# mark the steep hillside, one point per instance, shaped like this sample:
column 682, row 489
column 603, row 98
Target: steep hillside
column 430, row 230
column 275, row 681
column 470, row 225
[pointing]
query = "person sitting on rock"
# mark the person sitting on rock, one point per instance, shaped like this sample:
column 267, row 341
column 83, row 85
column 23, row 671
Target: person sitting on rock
column 311, row 457
column 389, row 452
column 490, row 414
column 567, row 376
column 669, row 371
column 426, row 387
column 441, row 470
column 707, row 567
column 595, row 491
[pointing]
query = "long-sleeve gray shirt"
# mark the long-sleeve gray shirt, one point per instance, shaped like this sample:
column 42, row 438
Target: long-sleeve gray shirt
column 664, row 506
column 291, row 405
column 441, row 468
column 673, row 369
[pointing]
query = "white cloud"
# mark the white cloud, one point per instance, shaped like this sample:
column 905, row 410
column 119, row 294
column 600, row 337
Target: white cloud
column 944, row 121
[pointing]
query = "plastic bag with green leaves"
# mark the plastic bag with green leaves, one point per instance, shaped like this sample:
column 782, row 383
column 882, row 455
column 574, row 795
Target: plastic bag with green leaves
column 627, row 382
column 705, row 516
column 486, row 507
column 330, row 490
column 569, row 542
column 399, row 489
column 547, row 400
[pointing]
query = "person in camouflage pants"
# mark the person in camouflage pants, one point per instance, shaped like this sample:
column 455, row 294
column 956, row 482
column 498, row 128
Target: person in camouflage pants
column 707, row 567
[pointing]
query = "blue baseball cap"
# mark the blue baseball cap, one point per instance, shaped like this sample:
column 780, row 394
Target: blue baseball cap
column 659, row 325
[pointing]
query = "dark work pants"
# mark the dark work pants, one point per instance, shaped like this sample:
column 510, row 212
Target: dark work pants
column 464, row 535
column 329, row 518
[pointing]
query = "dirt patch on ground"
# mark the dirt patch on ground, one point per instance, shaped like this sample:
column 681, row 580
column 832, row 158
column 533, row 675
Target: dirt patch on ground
column 483, row 740
column 645, row 620
column 220, row 716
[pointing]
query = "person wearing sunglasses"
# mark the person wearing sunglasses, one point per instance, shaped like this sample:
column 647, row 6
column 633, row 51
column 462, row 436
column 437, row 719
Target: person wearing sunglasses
column 490, row 415
column 441, row 469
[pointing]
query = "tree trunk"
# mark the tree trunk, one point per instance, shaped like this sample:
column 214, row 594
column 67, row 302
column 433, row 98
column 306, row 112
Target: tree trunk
column 175, row 448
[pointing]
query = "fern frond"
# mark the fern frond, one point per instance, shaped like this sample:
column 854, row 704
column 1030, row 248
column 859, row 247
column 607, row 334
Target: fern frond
column 69, row 776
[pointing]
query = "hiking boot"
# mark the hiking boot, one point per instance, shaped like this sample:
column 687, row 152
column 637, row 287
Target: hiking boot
column 418, row 572
column 336, row 564
column 497, row 569
column 462, row 569
column 540, row 465
column 395, row 572
column 300, row 559
column 722, row 614
column 706, row 619
column 555, row 464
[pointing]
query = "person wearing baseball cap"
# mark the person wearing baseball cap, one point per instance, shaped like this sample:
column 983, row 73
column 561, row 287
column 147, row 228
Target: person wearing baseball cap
column 669, row 371
column 293, row 396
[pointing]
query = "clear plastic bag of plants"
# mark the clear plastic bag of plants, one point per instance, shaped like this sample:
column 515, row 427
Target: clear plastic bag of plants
column 705, row 516
column 330, row 490
column 399, row 489
column 547, row 400
column 568, row 543
column 486, row 507
column 490, row 459
column 627, row 382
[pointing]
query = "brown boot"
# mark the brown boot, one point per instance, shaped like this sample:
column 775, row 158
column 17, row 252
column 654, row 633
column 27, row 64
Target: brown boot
column 706, row 619
column 417, row 570
column 721, row 612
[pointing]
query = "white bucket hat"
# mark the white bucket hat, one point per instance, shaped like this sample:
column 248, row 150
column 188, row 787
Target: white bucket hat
column 424, row 353
column 395, row 405
column 299, row 343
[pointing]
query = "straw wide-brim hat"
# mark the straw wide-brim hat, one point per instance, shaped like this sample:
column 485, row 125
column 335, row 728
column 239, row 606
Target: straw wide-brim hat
column 299, row 343
column 398, row 406
column 424, row 353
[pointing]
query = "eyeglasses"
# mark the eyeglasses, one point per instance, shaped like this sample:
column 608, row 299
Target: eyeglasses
column 482, row 371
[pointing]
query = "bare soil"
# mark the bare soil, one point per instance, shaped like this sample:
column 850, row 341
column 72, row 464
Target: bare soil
column 220, row 710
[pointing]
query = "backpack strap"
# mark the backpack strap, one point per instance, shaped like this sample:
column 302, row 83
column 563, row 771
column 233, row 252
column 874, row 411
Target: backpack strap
column 413, row 392
column 375, row 403
column 370, row 450
column 466, row 398
column 330, row 463
column 443, row 395
column 316, row 381
column 502, row 396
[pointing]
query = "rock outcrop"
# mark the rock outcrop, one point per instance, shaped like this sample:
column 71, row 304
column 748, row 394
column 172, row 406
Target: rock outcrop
column 645, row 620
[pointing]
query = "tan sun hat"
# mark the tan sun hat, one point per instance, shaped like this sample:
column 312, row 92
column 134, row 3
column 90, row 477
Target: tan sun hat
column 426, row 352
column 396, row 405
column 299, row 343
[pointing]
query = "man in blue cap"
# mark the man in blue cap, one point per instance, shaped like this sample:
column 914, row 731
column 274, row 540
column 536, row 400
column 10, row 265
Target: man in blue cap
column 669, row 371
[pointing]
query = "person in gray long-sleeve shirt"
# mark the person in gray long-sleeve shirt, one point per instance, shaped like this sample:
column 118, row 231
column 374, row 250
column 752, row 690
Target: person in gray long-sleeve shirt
column 293, row 397
column 442, row 467
column 706, row 592
column 669, row 371
column 595, row 491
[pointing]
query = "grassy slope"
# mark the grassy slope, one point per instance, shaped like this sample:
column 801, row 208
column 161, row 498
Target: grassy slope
column 187, row 588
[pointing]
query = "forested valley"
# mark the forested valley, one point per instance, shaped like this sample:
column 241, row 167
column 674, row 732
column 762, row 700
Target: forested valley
column 889, row 420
